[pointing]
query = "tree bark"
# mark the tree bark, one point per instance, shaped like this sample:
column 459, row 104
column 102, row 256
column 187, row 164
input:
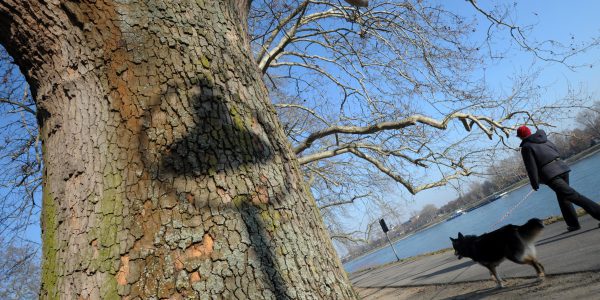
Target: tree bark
column 166, row 173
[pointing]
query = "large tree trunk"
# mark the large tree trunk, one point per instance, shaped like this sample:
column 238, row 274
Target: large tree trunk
column 166, row 171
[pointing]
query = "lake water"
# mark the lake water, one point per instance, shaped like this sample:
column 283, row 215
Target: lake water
column 584, row 178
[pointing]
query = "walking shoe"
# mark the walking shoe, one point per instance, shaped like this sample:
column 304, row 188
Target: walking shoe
column 573, row 228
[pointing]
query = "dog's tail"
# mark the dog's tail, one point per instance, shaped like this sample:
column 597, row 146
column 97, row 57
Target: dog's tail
column 530, row 230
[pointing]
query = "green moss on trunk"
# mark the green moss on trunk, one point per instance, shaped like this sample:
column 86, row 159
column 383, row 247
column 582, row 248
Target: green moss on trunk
column 49, row 245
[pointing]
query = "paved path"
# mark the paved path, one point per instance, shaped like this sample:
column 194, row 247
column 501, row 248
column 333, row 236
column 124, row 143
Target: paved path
column 559, row 251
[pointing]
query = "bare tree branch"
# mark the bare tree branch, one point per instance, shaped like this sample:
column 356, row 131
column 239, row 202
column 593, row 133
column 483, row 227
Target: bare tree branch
column 412, row 189
column 266, row 57
column 24, row 107
column 329, row 205
column 518, row 35
column 410, row 121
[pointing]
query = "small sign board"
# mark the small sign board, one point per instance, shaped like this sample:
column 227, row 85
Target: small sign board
column 383, row 226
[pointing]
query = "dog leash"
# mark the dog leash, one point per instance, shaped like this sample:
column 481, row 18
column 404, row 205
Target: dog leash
column 513, row 208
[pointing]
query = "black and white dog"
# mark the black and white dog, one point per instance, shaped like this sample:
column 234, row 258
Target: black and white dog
column 512, row 242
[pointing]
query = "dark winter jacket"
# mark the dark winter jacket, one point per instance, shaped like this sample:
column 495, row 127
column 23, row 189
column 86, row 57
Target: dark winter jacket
column 541, row 159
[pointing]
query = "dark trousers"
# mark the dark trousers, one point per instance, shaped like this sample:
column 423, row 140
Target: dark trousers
column 567, row 196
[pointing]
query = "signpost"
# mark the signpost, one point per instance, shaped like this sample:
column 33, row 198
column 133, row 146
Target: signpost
column 385, row 230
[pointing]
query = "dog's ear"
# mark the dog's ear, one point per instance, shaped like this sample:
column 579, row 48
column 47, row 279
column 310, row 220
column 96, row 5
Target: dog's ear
column 452, row 239
column 460, row 236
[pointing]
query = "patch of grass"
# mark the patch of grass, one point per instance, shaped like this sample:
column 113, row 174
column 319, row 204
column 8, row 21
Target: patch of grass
column 554, row 219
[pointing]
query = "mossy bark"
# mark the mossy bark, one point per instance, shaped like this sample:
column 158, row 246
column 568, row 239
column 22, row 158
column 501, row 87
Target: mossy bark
column 167, row 174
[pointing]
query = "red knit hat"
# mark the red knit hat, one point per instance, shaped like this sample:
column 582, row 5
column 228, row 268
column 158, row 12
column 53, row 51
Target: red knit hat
column 523, row 132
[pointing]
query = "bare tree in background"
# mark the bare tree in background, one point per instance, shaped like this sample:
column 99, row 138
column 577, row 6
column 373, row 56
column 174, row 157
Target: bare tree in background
column 20, row 154
column 428, row 213
column 590, row 120
column 19, row 271
column 508, row 170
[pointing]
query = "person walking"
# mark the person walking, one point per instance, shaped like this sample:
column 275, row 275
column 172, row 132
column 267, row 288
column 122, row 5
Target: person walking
column 544, row 166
